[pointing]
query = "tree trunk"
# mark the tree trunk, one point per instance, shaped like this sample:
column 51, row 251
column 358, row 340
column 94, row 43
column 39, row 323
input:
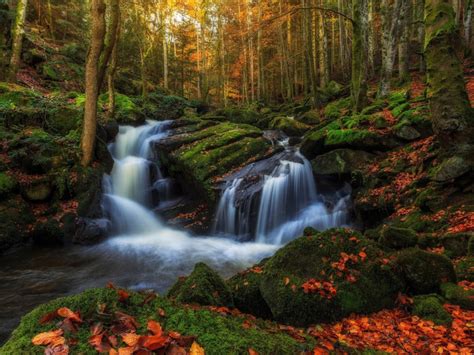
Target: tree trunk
column 452, row 116
column 18, row 33
column 359, row 54
column 403, row 46
column 92, row 88
column 111, row 75
column 110, row 37
column 467, row 23
column 391, row 18
column 323, row 49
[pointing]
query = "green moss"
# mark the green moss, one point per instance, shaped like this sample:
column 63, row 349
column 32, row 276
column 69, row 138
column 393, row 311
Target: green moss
column 430, row 307
column 347, row 136
column 398, row 238
column 457, row 295
column 215, row 333
column 377, row 106
column 424, row 272
column 465, row 268
column 397, row 98
column 290, row 126
column 374, row 285
column 204, row 286
column 397, row 111
column 337, row 108
column 7, row 184
column 456, row 245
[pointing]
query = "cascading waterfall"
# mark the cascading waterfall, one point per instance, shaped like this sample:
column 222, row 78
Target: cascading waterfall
column 287, row 203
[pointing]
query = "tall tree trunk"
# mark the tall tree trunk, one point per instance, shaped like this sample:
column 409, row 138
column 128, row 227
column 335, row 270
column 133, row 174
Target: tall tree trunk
column 18, row 33
column 92, row 73
column 467, row 23
column 391, row 13
column 359, row 54
column 310, row 64
column 111, row 75
column 251, row 52
column 420, row 17
column 323, row 49
column 110, row 37
column 342, row 39
column 371, row 38
column 403, row 46
column 452, row 116
column 245, row 76
column 165, row 60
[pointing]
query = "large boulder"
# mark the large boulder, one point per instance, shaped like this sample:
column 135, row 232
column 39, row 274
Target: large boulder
column 245, row 288
column 290, row 126
column 37, row 191
column 424, row 272
column 204, row 286
column 91, row 231
column 326, row 277
column 398, row 238
column 340, row 161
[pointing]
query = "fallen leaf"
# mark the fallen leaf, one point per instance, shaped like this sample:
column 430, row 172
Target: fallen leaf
column 196, row 349
column 131, row 339
column 154, row 327
column 61, row 349
column 67, row 313
column 53, row 337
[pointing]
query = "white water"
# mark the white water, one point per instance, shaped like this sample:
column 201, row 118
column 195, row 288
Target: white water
column 139, row 232
column 287, row 205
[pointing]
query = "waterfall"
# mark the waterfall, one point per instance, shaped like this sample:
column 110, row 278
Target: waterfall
column 287, row 203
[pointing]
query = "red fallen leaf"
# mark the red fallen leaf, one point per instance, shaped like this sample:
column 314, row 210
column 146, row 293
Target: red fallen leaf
column 286, row 280
column 97, row 342
column 97, row 328
column 113, row 340
column 111, row 286
column 363, row 255
column 246, row 324
column 155, row 342
column 126, row 351
column 174, row 335
column 252, row 352
column 154, row 328
column 127, row 321
column 123, row 295
column 53, row 337
column 320, row 351
column 48, row 317
column 61, row 349
column 186, row 341
column 67, row 313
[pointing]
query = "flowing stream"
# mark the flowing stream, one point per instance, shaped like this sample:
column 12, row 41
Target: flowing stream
column 144, row 252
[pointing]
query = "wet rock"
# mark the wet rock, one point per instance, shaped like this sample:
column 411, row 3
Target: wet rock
column 91, row 231
column 48, row 234
column 398, row 238
column 245, row 288
column 407, row 133
column 37, row 191
column 341, row 161
column 424, row 272
column 111, row 129
column 290, row 126
column 344, row 273
column 204, row 286
column 451, row 169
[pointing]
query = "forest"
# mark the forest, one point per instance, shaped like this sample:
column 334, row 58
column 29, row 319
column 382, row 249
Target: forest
column 236, row 177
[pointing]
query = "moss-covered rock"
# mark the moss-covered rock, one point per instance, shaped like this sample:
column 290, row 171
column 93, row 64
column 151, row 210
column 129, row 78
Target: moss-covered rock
column 337, row 108
column 37, row 191
column 290, row 126
column 245, row 288
column 430, row 307
column 450, row 169
column 465, row 268
column 7, row 185
column 424, row 272
column 310, row 118
column 200, row 151
column 15, row 216
column 216, row 333
column 456, row 245
column 398, row 238
column 326, row 277
column 455, row 294
column 340, row 161
column 246, row 115
column 204, row 286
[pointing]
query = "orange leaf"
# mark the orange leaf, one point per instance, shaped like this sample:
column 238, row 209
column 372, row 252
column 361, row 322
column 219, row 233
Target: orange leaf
column 53, row 337
column 286, row 280
column 61, row 349
column 67, row 313
column 131, row 339
column 123, row 295
column 155, row 328
column 252, row 352
column 155, row 342
column 196, row 349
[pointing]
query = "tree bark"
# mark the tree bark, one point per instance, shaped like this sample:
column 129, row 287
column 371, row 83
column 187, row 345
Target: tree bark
column 18, row 32
column 403, row 46
column 110, row 37
column 98, row 31
column 452, row 116
column 111, row 75
column 359, row 54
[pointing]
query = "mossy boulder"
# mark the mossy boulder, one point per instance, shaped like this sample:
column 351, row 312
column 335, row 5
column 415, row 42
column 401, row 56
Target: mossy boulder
column 245, row 288
column 290, row 126
column 216, row 333
column 430, row 307
column 64, row 119
column 465, row 268
column 15, row 216
column 341, row 161
column 337, row 108
column 407, row 133
column 424, row 272
column 245, row 115
column 398, row 238
column 204, row 286
column 7, row 185
column 455, row 294
column 326, row 277
column 456, row 245
column 200, row 151
column 450, row 169
column 37, row 191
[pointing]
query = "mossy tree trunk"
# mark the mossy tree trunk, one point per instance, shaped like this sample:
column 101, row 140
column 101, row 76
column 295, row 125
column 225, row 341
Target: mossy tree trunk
column 403, row 46
column 360, row 10
column 453, row 118
column 96, row 48
column 18, row 32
